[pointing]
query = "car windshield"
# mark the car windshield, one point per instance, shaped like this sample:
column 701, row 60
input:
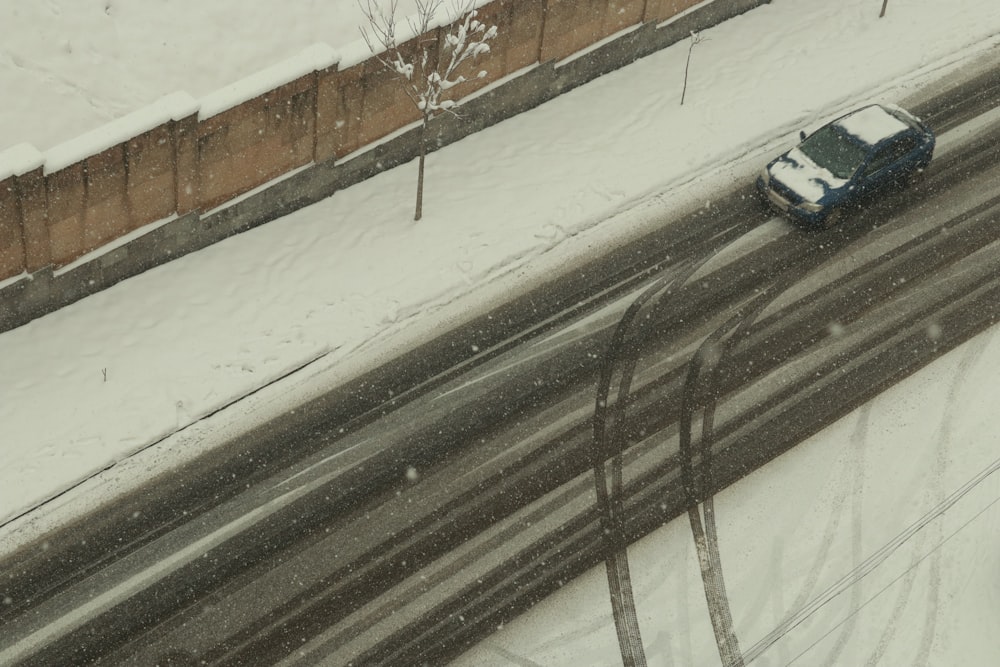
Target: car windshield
column 832, row 150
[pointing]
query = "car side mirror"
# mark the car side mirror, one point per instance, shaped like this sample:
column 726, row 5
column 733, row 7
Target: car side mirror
column 802, row 135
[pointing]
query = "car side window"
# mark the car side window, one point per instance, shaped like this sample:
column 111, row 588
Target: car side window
column 881, row 159
column 891, row 153
column 904, row 146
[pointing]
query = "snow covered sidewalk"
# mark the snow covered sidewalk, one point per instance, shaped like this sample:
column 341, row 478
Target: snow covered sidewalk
column 140, row 375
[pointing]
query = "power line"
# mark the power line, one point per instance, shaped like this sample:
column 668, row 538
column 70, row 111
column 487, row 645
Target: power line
column 897, row 578
column 871, row 563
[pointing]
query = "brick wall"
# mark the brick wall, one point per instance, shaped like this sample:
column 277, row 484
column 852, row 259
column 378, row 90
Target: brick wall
column 573, row 25
column 12, row 260
column 660, row 10
column 256, row 141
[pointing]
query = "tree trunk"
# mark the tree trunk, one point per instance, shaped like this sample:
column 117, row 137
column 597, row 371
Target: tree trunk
column 687, row 66
column 420, row 171
column 884, row 3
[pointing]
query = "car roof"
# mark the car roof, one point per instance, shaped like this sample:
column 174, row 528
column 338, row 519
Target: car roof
column 871, row 125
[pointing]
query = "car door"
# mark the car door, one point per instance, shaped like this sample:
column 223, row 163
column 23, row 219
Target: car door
column 889, row 164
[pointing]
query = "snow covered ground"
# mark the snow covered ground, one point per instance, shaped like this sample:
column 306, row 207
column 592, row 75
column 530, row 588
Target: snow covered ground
column 877, row 541
column 98, row 396
column 69, row 66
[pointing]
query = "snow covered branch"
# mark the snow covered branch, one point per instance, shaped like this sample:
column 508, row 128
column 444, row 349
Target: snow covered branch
column 431, row 70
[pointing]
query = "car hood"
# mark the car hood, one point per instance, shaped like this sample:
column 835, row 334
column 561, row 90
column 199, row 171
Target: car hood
column 796, row 171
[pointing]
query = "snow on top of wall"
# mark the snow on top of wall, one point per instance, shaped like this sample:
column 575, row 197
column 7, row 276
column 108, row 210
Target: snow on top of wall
column 316, row 57
column 447, row 13
column 354, row 53
column 872, row 124
column 171, row 107
column 22, row 158
column 19, row 159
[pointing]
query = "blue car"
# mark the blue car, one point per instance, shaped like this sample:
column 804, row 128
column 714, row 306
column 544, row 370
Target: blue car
column 847, row 162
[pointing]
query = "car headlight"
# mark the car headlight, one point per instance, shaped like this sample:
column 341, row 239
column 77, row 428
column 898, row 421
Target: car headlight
column 811, row 207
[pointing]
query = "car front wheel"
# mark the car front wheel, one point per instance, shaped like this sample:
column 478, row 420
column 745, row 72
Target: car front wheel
column 833, row 218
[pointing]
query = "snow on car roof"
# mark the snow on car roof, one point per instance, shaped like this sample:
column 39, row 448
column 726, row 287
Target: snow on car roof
column 872, row 124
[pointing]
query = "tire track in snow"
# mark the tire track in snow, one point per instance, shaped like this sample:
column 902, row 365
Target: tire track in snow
column 822, row 555
column 943, row 438
column 514, row 659
column 837, row 507
column 858, row 442
column 902, row 600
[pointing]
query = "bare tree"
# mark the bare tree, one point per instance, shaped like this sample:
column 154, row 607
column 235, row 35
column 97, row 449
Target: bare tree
column 696, row 38
column 428, row 67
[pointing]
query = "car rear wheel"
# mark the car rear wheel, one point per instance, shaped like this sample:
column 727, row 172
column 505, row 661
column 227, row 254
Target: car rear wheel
column 916, row 177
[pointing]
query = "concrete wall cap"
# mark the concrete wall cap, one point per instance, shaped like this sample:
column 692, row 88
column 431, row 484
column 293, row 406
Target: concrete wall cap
column 19, row 159
column 319, row 56
column 119, row 131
